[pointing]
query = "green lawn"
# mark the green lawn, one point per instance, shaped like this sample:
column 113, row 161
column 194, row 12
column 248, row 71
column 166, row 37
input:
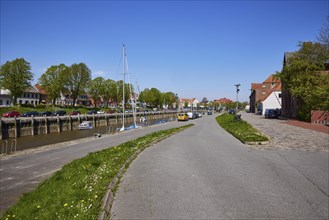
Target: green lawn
column 77, row 190
column 240, row 129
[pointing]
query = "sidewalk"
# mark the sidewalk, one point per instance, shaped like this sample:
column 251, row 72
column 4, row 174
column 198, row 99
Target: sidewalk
column 314, row 127
column 290, row 134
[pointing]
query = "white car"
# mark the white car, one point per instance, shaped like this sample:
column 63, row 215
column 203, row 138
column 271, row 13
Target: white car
column 100, row 112
column 190, row 115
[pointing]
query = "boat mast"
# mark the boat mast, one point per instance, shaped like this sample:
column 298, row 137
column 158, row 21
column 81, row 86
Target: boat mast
column 123, row 87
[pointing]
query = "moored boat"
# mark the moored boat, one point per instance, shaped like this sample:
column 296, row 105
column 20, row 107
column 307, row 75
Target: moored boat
column 85, row 125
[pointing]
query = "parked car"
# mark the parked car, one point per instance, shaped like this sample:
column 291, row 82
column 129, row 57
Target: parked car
column 59, row 113
column 191, row 115
column 11, row 114
column 232, row 111
column 111, row 111
column 271, row 113
column 29, row 114
column 100, row 112
column 75, row 113
column 209, row 113
column 182, row 117
column 46, row 113
column 92, row 112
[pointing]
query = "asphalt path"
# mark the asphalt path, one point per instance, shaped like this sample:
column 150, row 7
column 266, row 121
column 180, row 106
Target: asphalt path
column 25, row 170
column 205, row 173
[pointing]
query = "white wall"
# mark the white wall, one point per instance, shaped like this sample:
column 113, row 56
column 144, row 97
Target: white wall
column 272, row 101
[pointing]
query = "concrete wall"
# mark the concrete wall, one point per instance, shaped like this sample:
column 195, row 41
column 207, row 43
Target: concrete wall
column 42, row 125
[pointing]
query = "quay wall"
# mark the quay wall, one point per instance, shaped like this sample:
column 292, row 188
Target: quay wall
column 30, row 126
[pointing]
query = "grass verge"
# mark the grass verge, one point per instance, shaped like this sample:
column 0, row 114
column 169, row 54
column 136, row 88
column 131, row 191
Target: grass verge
column 77, row 190
column 240, row 129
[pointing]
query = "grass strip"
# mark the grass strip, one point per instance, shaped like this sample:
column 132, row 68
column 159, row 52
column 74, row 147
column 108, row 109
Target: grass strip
column 76, row 191
column 240, row 129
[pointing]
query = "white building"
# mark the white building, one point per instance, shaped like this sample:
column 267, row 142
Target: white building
column 273, row 101
column 30, row 96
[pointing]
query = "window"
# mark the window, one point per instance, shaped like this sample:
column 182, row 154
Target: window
column 7, row 102
column 0, row 101
column 20, row 101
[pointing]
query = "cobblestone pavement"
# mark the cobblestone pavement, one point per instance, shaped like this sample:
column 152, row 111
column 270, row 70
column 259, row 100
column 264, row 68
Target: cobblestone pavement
column 287, row 137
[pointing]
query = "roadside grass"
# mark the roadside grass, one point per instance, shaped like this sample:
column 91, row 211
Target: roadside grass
column 77, row 190
column 240, row 129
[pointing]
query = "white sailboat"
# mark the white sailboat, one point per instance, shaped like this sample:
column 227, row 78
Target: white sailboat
column 133, row 102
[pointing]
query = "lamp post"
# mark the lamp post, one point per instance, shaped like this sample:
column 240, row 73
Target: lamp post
column 237, row 94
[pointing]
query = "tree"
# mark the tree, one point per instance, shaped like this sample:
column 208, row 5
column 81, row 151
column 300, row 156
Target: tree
column 52, row 81
column 304, row 77
column 110, row 91
column 169, row 98
column 120, row 91
column 204, row 100
column 16, row 76
column 151, row 97
column 323, row 36
column 76, row 80
column 96, row 89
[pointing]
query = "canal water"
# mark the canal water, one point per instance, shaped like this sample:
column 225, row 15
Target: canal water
column 29, row 142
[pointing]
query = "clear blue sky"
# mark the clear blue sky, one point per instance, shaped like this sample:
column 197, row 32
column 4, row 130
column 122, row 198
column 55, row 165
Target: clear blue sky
column 192, row 48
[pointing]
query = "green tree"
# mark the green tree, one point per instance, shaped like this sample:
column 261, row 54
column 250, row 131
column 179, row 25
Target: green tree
column 169, row 98
column 305, row 78
column 76, row 80
column 120, row 92
column 16, row 76
column 110, row 91
column 52, row 81
column 152, row 97
column 96, row 89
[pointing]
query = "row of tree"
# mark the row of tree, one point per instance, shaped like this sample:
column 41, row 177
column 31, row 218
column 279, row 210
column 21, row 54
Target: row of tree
column 305, row 76
column 75, row 80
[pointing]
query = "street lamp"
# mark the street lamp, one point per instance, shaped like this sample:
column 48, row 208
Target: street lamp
column 237, row 94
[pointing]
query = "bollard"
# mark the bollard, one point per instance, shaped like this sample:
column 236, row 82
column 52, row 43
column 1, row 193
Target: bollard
column 4, row 147
column 13, row 146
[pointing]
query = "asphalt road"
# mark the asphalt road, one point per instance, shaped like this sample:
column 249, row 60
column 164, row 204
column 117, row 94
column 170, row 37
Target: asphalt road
column 22, row 172
column 205, row 173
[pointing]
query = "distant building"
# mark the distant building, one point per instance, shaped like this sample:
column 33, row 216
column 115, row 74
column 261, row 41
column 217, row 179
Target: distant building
column 43, row 94
column 265, row 95
column 223, row 101
column 30, row 96
column 191, row 103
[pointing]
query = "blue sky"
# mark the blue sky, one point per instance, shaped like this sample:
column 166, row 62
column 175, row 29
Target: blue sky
column 192, row 48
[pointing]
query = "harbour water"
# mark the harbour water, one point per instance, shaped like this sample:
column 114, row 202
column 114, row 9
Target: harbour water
column 30, row 142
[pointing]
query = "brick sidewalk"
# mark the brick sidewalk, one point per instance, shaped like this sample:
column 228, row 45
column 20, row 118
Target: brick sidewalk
column 314, row 127
column 289, row 134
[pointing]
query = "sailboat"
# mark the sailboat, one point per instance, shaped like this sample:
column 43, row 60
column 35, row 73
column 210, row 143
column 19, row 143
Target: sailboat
column 133, row 102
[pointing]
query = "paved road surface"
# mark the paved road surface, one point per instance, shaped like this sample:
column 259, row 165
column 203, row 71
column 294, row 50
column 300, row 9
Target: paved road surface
column 205, row 173
column 23, row 172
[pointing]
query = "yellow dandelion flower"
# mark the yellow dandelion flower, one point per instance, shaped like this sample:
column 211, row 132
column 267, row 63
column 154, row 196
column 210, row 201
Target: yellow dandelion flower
column 65, row 204
column 38, row 207
column 96, row 196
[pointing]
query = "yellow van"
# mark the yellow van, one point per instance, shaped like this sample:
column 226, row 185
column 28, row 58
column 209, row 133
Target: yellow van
column 182, row 117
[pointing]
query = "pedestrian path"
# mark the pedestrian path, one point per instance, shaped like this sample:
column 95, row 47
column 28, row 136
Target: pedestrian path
column 289, row 135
